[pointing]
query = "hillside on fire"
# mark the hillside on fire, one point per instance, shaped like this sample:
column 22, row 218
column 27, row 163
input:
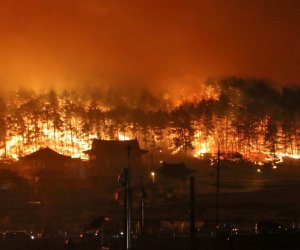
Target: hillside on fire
column 249, row 117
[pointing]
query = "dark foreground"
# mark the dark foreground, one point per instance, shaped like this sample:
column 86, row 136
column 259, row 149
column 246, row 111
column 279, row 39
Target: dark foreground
column 289, row 241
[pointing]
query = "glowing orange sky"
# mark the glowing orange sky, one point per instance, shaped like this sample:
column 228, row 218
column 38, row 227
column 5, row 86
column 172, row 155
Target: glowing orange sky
column 45, row 42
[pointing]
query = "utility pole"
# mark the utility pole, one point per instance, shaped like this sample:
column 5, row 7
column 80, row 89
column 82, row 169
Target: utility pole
column 152, row 153
column 127, row 203
column 217, row 192
column 192, row 214
column 143, row 199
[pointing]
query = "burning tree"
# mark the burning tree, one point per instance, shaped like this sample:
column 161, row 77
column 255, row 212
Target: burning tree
column 247, row 116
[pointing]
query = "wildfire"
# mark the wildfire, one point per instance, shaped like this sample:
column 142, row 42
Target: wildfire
column 194, row 126
column 122, row 137
column 201, row 146
column 64, row 143
column 11, row 148
column 201, row 151
column 292, row 156
column 175, row 150
column 68, row 143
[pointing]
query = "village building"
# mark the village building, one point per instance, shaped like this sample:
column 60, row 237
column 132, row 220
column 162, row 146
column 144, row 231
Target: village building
column 46, row 165
column 45, row 158
column 172, row 178
column 51, row 165
column 175, row 171
column 109, row 157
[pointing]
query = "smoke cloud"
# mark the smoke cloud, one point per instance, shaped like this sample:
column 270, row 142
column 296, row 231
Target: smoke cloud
column 62, row 43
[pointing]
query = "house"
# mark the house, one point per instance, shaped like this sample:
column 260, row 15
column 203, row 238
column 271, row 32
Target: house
column 109, row 157
column 45, row 157
column 171, row 178
column 177, row 171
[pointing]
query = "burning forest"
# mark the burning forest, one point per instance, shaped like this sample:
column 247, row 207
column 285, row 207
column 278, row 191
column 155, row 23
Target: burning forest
column 246, row 117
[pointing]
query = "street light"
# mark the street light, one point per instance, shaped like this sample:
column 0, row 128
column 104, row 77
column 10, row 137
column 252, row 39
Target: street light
column 153, row 176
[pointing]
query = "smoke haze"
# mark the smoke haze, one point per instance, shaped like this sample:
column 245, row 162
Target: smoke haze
column 148, row 43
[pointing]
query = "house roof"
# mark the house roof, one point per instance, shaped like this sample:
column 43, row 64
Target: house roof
column 115, row 146
column 45, row 154
column 174, row 170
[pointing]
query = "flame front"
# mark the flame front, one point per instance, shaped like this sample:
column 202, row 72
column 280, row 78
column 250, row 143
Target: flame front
column 195, row 126
column 201, row 146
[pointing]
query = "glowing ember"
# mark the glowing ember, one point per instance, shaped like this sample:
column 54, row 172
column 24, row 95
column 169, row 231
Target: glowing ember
column 175, row 150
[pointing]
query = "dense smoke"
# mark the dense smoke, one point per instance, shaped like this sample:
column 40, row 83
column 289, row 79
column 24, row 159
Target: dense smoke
column 62, row 43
